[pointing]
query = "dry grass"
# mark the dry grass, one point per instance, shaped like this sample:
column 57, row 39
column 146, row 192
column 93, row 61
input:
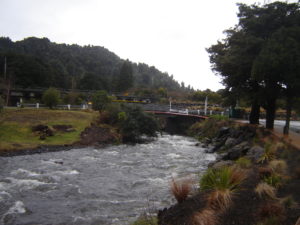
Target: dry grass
column 265, row 190
column 181, row 188
column 278, row 166
column 219, row 200
column 205, row 217
column 264, row 172
column 271, row 210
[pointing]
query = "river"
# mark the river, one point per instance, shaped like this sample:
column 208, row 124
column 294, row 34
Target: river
column 112, row 185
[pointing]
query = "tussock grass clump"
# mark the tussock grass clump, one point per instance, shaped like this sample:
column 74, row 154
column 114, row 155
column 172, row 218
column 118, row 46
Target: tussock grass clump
column 278, row 166
column 181, row 188
column 205, row 217
column 222, row 182
column 219, row 200
column 265, row 190
column 274, row 180
column 269, row 153
column 243, row 163
column 288, row 202
column 226, row 178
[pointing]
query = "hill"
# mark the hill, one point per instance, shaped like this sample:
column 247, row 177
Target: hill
column 38, row 62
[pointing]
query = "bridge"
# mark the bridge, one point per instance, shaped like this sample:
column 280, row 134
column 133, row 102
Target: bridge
column 174, row 114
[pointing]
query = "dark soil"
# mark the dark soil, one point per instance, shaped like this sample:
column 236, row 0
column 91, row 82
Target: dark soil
column 98, row 136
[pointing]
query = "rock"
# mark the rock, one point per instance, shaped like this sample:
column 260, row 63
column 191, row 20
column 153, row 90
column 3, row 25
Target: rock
column 255, row 153
column 230, row 141
column 221, row 164
column 39, row 128
column 237, row 151
column 43, row 137
column 223, row 131
column 64, row 128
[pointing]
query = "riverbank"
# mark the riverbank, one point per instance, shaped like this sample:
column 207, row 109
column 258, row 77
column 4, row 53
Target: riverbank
column 267, row 192
column 42, row 129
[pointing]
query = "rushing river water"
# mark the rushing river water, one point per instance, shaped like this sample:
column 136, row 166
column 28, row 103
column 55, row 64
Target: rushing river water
column 112, row 185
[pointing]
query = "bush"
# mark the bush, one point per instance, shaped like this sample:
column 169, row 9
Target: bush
column 51, row 97
column 137, row 123
column 100, row 100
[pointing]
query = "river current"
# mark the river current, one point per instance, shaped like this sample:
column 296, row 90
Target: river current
column 112, row 185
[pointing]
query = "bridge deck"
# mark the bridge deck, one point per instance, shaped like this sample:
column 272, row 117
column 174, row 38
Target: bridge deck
column 177, row 114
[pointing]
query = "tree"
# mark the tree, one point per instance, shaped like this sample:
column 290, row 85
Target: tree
column 279, row 61
column 51, row 97
column 125, row 79
column 137, row 123
column 100, row 100
column 236, row 58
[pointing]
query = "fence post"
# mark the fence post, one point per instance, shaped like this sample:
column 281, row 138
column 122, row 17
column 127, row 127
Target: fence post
column 69, row 106
column 198, row 112
column 37, row 105
column 210, row 112
column 222, row 113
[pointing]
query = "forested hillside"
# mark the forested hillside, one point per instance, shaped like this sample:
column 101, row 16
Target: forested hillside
column 38, row 62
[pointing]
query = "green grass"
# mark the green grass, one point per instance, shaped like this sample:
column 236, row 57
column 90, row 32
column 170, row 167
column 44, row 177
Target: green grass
column 16, row 124
column 225, row 178
column 243, row 162
column 146, row 220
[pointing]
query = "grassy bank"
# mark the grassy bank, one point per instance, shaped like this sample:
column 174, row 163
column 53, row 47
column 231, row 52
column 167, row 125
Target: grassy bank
column 16, row 127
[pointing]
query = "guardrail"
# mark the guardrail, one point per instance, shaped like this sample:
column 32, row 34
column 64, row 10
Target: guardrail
column 147, row 107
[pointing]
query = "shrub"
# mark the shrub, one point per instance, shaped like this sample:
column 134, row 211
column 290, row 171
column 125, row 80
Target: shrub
column 181, row 189
column 243, row 162
column 100, row 100
column 137, row 123
column 51, row 97
column 146, row 220
column 225, row 178
column 265, row 190
column 205, row 217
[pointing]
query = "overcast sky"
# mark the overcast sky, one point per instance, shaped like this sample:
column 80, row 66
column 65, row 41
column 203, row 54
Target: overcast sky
column 169, row 34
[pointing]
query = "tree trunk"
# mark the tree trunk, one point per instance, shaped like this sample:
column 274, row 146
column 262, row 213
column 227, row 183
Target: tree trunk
column 270, row 113
column 255, row 111
column 288, row 115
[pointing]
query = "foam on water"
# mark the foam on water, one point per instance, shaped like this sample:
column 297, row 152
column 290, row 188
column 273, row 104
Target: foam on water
column 21, row 171
column 17, row 208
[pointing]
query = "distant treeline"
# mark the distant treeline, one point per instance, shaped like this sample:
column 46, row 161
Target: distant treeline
column 38, row 62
